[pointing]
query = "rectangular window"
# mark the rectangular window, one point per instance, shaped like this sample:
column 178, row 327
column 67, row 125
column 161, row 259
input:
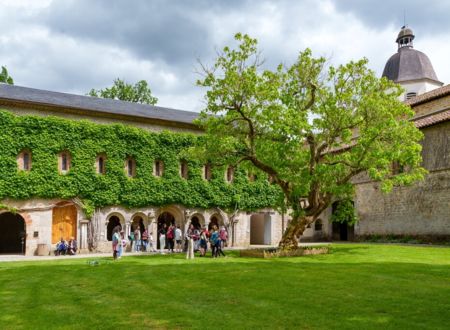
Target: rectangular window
column 64, row 162
column 26, row 161
column 184, row 170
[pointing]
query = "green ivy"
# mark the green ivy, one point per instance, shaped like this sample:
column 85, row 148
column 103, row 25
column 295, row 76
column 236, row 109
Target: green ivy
column 45, row 137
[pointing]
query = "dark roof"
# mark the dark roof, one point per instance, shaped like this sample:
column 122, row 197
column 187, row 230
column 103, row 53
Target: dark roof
column 432, row 119
column 429, row 96
column 109, row 107
column 409, row 64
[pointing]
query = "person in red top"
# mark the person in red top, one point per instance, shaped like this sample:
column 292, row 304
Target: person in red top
column 223, row 234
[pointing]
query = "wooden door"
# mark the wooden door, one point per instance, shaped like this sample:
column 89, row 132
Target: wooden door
column 64, row 223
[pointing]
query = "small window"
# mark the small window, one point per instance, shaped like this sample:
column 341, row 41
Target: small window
column 271, row 179
column 252, row 177
column 24, row 161
column 184, row 170
column 158, row 168
column 230, row 174
column 318, row 225
column 101, row 164
column 410, row 95
column 130, row 167
column 207, row 172
column 64, row 162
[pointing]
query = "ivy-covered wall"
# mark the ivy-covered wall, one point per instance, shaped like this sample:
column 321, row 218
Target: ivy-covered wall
column 45, row 137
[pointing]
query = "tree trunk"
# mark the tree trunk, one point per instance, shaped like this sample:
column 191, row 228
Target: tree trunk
column 295, row 229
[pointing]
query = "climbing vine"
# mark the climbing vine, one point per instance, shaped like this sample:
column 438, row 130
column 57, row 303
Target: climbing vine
column 46, row 137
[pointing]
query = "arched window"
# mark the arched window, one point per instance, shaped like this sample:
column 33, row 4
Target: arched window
column 64, row 162
column 158, row 168
column 24, row 160
column 100, row 164
column 207, row 172
column 184, row 170
column 230, row 174
column 130, row 167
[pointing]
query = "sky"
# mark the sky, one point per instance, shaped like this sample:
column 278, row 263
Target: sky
column 74, row 45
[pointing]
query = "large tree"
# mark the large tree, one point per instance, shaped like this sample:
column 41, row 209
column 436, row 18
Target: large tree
column 5, row 77
column 310, row 127
column 120, row 90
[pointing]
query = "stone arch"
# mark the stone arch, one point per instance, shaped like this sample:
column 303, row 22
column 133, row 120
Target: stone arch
column 139, row 219
column 176, row 212
column 64, row 221
column 13, row 234
column 216, row 219
column 113, row 220
column 197, row 219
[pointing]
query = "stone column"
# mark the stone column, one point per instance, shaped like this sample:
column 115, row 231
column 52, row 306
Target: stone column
column 83, row 241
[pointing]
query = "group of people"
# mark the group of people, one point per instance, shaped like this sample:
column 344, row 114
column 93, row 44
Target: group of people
column 171, row 239
column 66, row 248
column 198, row 240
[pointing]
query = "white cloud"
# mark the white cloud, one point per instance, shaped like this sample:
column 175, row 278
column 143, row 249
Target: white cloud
column 40, row 57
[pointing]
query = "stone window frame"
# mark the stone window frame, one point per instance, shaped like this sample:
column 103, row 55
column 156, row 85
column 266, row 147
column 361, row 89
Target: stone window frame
column 158, row 168
column 100, row 164
column 24, row 163
column 184, row 169
column 130, row 167
column 64, row 162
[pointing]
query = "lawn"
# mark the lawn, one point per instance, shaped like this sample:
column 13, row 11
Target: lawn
column 357, row 286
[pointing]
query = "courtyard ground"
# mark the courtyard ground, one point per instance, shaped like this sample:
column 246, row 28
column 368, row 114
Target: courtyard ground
column 357, row 286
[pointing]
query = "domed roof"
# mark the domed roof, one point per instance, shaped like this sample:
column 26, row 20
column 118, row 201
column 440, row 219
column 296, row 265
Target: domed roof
column 409, row 64
column 404, row 32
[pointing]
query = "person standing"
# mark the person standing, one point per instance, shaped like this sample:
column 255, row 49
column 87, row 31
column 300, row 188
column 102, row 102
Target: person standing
column 223, row 234
column 115, row 242
column 171, row 237
column 214, row 241
column 137, row 239
column 189, row 237
column 144, row 239
column 162, row 238
column 178, row 238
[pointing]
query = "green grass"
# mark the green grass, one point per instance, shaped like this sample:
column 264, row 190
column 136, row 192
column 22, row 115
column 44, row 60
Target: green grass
column 357, row 286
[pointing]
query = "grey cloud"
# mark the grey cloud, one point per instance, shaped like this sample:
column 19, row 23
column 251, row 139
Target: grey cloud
column 424, row 16
column 172, row 31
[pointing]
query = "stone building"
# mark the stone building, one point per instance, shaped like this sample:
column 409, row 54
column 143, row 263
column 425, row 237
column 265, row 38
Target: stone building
column 34, row 225
column 422, row 209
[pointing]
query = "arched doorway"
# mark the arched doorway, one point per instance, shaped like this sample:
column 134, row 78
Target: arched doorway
column 341, row 231
column 215, row 220
column 260, row 229
column 64, row 222
column 12, row 233
column 113, row 222
column 138, row 221
column 195, row 220
column 165, row 218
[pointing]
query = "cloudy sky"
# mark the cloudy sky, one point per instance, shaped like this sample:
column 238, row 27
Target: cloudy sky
column 75, row 45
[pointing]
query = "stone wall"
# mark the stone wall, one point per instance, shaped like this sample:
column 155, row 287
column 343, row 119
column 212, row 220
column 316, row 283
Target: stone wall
column 420, row 209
